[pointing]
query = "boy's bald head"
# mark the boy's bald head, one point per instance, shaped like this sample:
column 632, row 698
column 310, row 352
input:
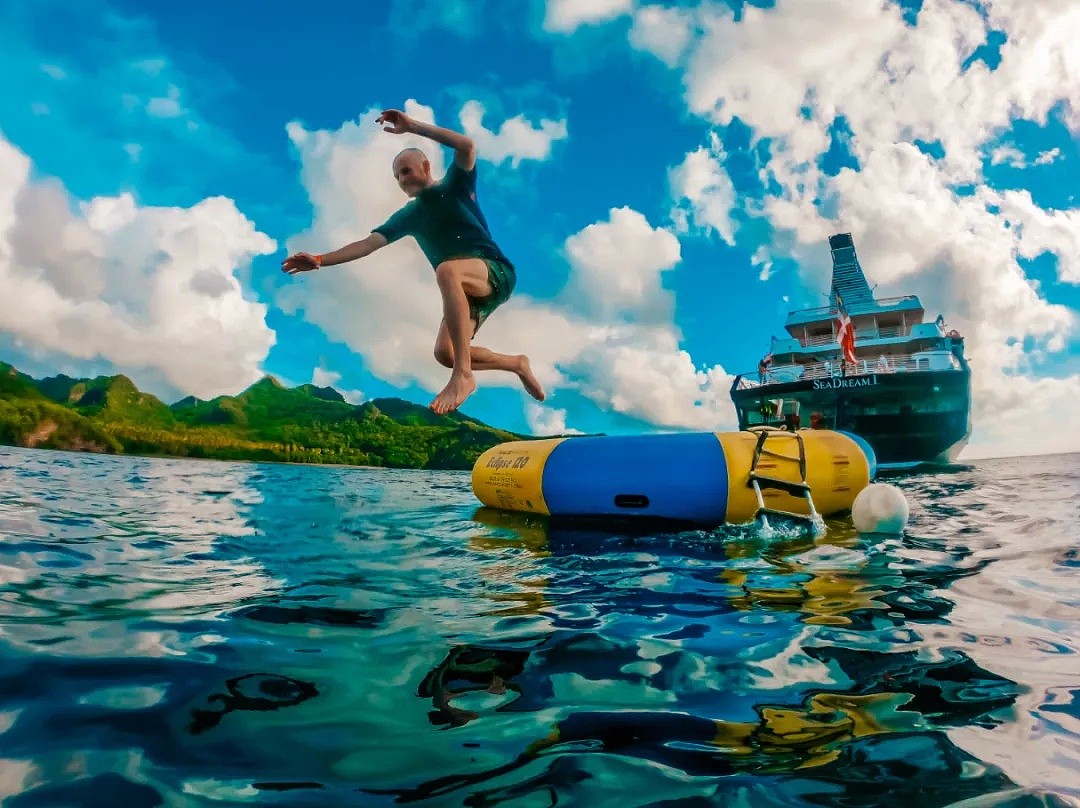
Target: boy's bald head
column 411, row 150
column 412, row 170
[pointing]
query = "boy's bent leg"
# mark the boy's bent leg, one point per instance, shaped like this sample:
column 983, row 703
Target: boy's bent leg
column 503, row 279
column 458, row 280
column 485, row 359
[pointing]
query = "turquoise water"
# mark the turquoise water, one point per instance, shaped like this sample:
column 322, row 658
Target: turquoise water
column 197, row 633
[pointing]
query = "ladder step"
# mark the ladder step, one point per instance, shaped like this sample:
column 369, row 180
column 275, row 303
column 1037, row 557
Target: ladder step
column 795, row 489
column 774, row 512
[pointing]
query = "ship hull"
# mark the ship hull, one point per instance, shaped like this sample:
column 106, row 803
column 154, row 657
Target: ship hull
column 908, row 418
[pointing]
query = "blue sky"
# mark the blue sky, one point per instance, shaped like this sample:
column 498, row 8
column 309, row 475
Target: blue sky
column 665, row 182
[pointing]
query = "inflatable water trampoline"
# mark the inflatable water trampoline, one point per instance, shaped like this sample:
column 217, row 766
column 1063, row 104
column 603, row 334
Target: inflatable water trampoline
column 702, row 478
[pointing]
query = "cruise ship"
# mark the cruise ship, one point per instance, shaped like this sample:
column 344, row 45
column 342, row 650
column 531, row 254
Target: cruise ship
column 872, row 367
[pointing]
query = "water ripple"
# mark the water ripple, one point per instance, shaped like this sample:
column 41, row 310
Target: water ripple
column 181, row 632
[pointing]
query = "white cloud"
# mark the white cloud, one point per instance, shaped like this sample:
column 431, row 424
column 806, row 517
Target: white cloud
column 544, row 420
column 635, row 370
column 322, row 377
column 664, row 32
column 152, row 290
column 516, row 140
column 892, row 81
column 551, row 335
column 617, row 266
column 1047, row 157
column 1027, row 416
column 703, row 191
column 1037, row 231
column 54, row 72
column 566, row 16
column 610, row 335
column 641, row 372
column 1007, row 154
column 1040, row 63
column 761, row 258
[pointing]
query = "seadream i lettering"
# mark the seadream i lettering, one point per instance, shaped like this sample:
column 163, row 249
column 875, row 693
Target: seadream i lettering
column 836, row 384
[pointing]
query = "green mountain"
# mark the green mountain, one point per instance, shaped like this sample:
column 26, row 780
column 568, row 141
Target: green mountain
column 267, row 421
column 110, row 398
column 14, row 383
column 29, row 418
column 263, row 404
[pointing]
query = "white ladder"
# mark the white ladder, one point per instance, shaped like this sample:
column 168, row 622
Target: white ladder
column 758, row 481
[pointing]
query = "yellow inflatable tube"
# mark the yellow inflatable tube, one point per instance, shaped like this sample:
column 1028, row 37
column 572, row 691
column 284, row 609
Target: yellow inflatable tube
column 701, row 477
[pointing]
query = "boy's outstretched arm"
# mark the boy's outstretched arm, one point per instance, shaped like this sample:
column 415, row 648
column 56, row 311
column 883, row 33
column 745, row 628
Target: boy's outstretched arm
column 305, row 262
column 463, row 146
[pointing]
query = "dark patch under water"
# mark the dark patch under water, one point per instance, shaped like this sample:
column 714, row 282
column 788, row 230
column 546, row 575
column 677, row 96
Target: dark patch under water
column 196, row 633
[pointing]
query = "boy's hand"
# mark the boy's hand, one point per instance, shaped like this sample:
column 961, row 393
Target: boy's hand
column 400, row 123
column 300, row 262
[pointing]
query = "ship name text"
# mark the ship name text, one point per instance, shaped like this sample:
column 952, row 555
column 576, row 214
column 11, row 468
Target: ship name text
column 836, row 384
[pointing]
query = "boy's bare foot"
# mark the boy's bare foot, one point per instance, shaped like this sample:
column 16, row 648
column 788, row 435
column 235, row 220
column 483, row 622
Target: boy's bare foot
column 459, row 388
column 531, row 383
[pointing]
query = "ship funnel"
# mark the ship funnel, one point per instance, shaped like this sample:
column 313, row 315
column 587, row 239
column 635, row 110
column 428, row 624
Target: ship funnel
column 847, row 275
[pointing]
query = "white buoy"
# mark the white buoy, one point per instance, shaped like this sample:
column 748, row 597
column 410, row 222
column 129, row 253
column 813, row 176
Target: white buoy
column 880, row 508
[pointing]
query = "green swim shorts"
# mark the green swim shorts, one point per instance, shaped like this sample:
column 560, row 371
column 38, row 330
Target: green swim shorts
column 502, row 278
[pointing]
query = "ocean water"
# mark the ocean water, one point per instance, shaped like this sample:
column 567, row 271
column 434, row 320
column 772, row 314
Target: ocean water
column 195, row 633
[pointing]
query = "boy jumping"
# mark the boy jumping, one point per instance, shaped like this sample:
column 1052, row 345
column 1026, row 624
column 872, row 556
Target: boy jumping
column 473, row 274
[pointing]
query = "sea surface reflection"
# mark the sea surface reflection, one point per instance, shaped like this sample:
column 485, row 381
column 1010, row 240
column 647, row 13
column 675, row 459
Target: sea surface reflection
column 197, row 633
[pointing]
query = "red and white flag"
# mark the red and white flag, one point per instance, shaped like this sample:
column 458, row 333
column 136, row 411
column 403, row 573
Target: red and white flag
column 845, row 332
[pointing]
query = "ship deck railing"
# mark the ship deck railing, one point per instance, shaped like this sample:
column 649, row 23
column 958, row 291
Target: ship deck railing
column 861, row 335
column 884, row 302
column 921, row 362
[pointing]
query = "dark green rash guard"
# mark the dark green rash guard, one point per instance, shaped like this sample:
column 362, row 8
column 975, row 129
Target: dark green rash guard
column 445, row 220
